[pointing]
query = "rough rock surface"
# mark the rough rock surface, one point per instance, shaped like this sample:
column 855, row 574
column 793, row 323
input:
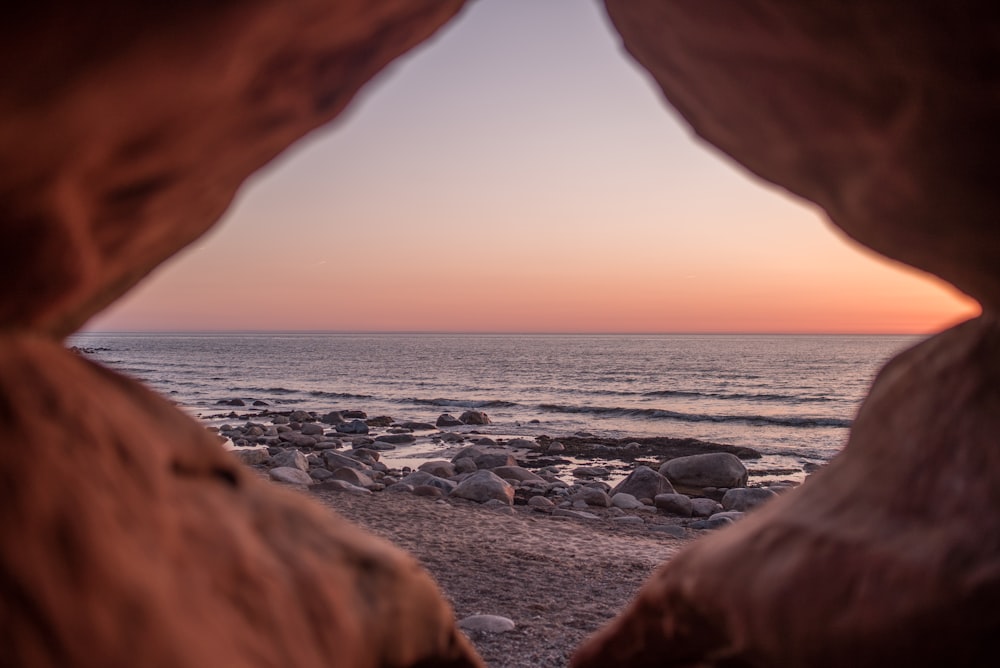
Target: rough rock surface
column 483, row 486
column 151, row 542
column 643, row 483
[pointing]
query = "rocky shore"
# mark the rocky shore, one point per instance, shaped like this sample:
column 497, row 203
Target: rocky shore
column 538, row 541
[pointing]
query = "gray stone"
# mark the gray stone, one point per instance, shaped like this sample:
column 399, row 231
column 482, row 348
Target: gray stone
column 470, row 451
column 335, row 460
column 555, row 446
column 717, row 521
column 290, row 458
column 297, row 439
column 692, row 474
column 333, row 417
column 353, row 476
column 746, row 498
column 674, row 504
column 290, row 476
column 540, row 502
column 474, row 418
column 669, row 529
column 517, row 473
column 439, row 468
column 424, row 478
column 417, row 426
column 396, row 439
column 482, row 486
column 340, row 486
column 328, row 445
column 643, row 483
column 312, row 429
column 486, row 624
column 400, row 487
column 447, row 420
column 280, row 419
column 320, row 474
column 251, row 456
column 704, row 507
column 352, row 427
column 625, row 501
column 465, row 465
column 522, row 443
column 591, row 472
column 592, row 497
column 428, row 491
column 492, row 460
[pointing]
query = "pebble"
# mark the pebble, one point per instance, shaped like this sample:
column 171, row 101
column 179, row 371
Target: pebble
column 486, row 624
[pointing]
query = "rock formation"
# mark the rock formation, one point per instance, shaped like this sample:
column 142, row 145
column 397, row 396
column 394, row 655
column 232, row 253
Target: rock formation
column 126, row 128
column 885, row 117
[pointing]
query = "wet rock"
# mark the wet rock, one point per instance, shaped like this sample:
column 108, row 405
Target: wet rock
column 591, row 472
column 297, row 439
column 540, row 502
column 625, row 501
column 352, row 427
column 482, row 486
column 690, row 475
column 492, row 460
column 574, row 514
column 674, row 504
column 643, row 483
column 290, row 459
column 465, row 465
column 448, row 420
column 592, row 497
column 474, row 418
column 291, row 476
column 312, row 429
column 747, row 498
column 353, row 476
column 439, row 468
column 701, row 507
column 333, row 418
column 424, row 478
column 518, row 473
column 396, row 439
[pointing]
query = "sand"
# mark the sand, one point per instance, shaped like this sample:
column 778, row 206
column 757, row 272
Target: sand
column 559, row 580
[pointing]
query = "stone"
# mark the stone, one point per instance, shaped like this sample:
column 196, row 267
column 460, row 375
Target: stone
column 643, row 483
column 334, row 485
column 625, row 501
column 674, row 504
column 428, row 491
column 290, row 475
column 333, row 418
column 297, row 439
column 451, row 437
column 473, row 418
column 592, row 497
column 701, row 507
column 446, row 420
column 439, row 468
column 396, row 439
column 465, row 465
column 591, row 472
column 231, row 402
column 260, row 402
column 401, row 487
column 486, row 624
column 555, row 447
column 717, row 521
column 335, row 460
column 319, row 474
column 353, row 476
column 492, row 460
column 669, row 529
column 290, row 458
column 470, row 451
column 485, row 442
column 540, row 502
column 312, row 429
column 424, row 478
column 482, row 486
column 352, row 427
column 691, row 474
column 280, row 420
column 518, row 473
column 522, row 443
column 747, row 498
column 251, row 456
column 417, row 426
column 354, row 415
column 379, row 421
column 628, row 520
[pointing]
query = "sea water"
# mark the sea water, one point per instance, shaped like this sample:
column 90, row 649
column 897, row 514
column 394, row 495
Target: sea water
column 791, row 397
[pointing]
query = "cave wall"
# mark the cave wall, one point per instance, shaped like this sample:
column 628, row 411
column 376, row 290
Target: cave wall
column 127, row 129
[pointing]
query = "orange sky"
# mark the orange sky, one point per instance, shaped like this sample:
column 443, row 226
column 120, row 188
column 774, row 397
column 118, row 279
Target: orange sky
column 520, row 174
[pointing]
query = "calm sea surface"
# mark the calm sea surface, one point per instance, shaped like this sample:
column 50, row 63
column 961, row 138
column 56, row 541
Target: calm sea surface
column 793, row 397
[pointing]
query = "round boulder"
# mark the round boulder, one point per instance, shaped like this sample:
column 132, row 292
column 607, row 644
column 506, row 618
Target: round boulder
column 439, row 468
column 482, row 486
column 746, row 498
column 643, row 483
column 692, row 474
column 474, row 417
column 448, row 420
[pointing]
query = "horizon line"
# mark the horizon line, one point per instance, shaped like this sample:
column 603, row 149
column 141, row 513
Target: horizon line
column 429, row 332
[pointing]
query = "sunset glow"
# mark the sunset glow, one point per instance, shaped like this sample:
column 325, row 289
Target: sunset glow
column 520, row 174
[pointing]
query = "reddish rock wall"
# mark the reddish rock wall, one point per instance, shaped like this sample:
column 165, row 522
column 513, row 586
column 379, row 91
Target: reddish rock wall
column 885, row 115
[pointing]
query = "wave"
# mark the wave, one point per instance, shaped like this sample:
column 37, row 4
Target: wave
column 460, row 403
column 658, row 414
column 784, row 398
column 251, row 391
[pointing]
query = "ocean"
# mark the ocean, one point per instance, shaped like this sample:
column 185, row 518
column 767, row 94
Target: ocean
column 791, row 397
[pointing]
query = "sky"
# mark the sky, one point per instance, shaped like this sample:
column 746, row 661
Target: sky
column 519, row 173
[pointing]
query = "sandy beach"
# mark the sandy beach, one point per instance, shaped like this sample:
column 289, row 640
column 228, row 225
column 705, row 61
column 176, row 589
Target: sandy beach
column 558, row 579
